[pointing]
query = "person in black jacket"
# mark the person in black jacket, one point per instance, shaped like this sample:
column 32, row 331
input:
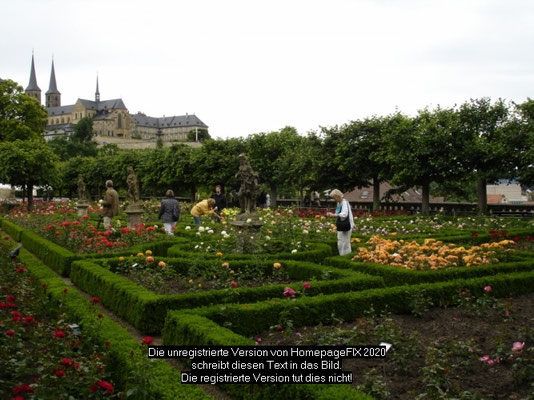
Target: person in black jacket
column 169, row 212
column 220, row 200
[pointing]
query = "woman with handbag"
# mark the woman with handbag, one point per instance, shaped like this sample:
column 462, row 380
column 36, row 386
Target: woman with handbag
column 169, row 212
column 344, row 222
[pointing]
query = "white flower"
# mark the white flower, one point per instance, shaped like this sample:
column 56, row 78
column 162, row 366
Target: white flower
column 196, row 246
column 210, row 231
column 118, row 223
column 249, row 220
column 201, row 229
column 304, row 231
column 318, row 231
column 293, row 251
column 187, row 228
column 267, row 238
column 224, row 233
column 198, row 233
column 100, row 201
column 252, row 238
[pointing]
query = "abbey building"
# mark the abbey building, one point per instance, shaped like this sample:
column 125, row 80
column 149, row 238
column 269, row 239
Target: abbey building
column 112, row 122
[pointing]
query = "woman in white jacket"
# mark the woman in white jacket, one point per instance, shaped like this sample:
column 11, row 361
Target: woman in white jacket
column 343, row 211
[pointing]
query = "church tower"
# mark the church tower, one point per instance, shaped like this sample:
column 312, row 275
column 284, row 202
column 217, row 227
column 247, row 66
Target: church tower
column 33, row 90
column 97, row 93
column 53, row 97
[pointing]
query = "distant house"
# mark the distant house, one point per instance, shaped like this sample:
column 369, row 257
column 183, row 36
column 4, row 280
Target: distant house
column 413, row 195
column 505, row 192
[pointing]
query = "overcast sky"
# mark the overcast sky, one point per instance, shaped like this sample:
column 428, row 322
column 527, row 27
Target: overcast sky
column 245, row 66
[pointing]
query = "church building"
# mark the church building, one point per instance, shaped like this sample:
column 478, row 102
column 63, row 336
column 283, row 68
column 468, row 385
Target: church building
column 112, row 122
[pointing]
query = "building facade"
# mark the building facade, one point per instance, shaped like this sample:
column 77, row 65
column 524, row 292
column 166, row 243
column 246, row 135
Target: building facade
column 111, row 118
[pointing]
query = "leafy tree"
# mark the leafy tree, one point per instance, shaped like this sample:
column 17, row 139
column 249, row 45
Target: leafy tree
column 266, row 152
column 484, row 126
column 218, row 162
column 426, row 150
column 359, row 153
column 525, row 153
column 203, row 134
column 21, row 116
column 27, row 163
column 80, row 143
column 83, row 130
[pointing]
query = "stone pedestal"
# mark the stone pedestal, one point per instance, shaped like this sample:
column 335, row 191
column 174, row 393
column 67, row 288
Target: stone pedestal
column 82, row 209
column 134, row 216
column 247, row 227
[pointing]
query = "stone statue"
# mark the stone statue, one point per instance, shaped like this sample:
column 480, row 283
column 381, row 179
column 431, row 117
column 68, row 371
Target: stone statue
column 249, row 185
column 82, row 194
column 133, row 186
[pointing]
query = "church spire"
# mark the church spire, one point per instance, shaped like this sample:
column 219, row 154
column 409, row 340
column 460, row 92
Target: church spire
column 33, row 90
column 53, row 96
column 97, row 93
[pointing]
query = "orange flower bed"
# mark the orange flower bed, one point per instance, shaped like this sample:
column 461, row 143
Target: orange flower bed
column 432, row 254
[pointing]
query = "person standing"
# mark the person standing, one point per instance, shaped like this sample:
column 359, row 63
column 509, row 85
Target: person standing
column 110, row 204
column 342, row 212
column 220, row 199
column 204, row 207
column 169, row 211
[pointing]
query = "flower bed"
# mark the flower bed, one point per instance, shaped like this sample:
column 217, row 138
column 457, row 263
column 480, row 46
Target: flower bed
column 431, row 254
column 57, row 344
column 146, row 310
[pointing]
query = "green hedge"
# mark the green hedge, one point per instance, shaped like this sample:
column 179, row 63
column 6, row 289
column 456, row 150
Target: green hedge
column 125, row 352
column 394, row 276
column 316, row 253
column 146, row 310
column 11, row 229
column 253, row 318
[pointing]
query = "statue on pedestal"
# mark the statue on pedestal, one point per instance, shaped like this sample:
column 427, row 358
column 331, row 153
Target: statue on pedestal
column 82, row 194
column 133, row 187
column 249, row 185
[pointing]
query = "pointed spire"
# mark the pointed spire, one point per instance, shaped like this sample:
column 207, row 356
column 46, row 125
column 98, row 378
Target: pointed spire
column 52, row 89
column 32, row 86
column 97, row 93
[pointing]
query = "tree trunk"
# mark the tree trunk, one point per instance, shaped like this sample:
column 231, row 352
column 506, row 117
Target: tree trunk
column 29, row 194
column 425, row 201
column 193, row 193
column 376, row 194
column 482, row 196
column 273, row 197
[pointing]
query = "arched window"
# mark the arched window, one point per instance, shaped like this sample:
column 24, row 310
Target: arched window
column 119, row 121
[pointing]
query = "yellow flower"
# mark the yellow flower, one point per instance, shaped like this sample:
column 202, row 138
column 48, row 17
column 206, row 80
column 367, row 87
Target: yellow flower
column 148, row 252
column 140, row 255
column 121, row 258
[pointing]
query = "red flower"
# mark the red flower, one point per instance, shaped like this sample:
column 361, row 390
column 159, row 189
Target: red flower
column 288, row 292
column 85, row 217
column 108, row 387
column 44, row 285
column 148, row 340
column 29, row 319
column 95, row 300
column 21, row 269
column 474, row 234
column 107, row 343
column 23, row 388
column 65, row 223
column 10, row 333
column 306, row 285
column 66, row 362
column 233, row 284
column 59, row 334
column 10, row 299
column 59, row 373
column 126, row 230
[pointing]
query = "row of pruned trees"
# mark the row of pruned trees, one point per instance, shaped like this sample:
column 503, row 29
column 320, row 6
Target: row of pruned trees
column 441, row 149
